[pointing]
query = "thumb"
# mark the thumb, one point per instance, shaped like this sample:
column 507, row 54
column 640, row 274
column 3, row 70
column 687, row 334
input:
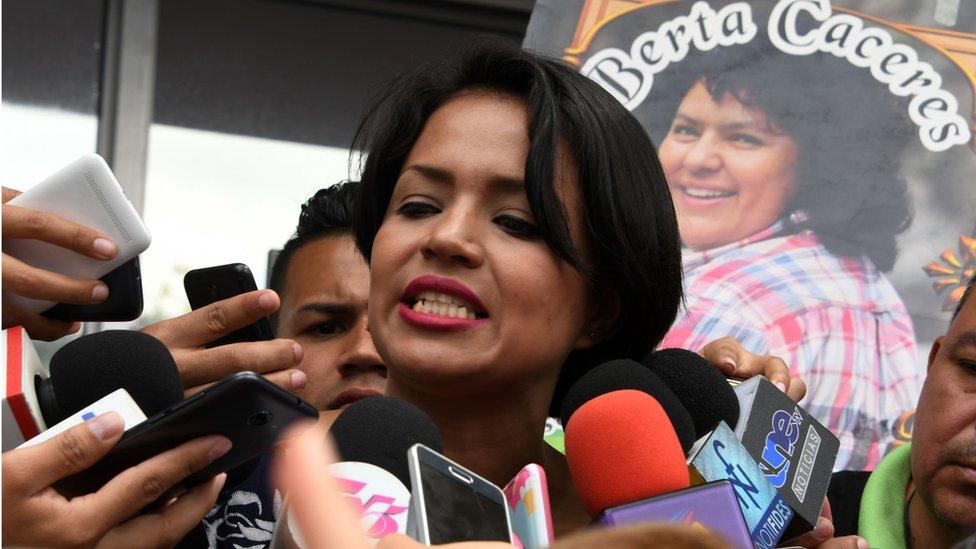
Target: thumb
column 72, row 451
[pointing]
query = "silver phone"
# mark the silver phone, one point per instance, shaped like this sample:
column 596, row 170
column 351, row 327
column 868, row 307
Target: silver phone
column 450, row 503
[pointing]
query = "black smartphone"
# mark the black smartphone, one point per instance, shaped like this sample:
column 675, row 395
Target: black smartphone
column 124, row 300
column 244, row 407
column 449, row 503
column 212, row 284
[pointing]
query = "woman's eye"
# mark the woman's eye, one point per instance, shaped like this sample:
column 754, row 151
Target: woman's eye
column 685, row 130
column 518, row 227
column 746, row 139
column 417, row 210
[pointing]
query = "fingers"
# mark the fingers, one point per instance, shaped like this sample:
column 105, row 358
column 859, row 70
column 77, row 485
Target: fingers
column 724, row 354
column 846, row 542
column 168, row 527
column 325, row 518
column 37, row 326
column 22, row 279
column 797, row 389
column 814, row 538
column 143, row 484
column 206, row 324
column 208, row 365
column 289, row 380
column 74, row 450
column 25, row 223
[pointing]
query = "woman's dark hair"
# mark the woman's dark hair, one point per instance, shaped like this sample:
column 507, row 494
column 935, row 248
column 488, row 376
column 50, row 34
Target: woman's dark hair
column 627, row 213
column 849, row 129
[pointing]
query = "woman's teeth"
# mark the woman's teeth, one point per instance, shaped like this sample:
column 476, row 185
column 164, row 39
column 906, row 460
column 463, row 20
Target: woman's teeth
column 444, row 305
column 706, row 193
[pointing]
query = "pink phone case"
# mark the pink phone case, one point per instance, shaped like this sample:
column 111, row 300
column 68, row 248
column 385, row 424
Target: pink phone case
column 528, row 504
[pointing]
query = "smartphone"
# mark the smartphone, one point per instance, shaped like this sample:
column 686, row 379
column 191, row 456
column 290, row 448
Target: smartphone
column 85, row 192
column 528, row 504
column 244, row 407
column 124, row 300
column 212, row 284
column 450, row 503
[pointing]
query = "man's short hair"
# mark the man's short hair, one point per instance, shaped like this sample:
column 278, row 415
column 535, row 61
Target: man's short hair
column 327, row 213
column 965, row 296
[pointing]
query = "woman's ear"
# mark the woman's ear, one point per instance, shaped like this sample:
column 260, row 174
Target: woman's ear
column 604, row 311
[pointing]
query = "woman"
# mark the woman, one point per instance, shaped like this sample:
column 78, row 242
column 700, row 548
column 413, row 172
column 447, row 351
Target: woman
column 785, row 175
column 517, row 220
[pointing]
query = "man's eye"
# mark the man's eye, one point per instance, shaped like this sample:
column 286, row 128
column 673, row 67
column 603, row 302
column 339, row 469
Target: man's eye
column 417, row 210
column 325, row 329
column 969, row 366
column 518, row 227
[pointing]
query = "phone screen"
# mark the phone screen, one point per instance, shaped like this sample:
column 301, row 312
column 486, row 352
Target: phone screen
column 457, row 512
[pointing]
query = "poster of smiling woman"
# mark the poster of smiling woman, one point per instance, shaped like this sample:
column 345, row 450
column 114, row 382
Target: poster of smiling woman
column 821, row 160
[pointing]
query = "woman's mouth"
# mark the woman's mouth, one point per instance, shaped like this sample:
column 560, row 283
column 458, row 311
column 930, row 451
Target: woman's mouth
column 442, row 304
column 701, row 193
column 439, row 304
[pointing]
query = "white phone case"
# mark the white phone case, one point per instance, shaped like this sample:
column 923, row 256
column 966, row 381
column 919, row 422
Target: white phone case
column 85, row 192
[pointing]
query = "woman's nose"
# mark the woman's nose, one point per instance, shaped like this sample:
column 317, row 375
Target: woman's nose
column 455, row 237
column 704, row 154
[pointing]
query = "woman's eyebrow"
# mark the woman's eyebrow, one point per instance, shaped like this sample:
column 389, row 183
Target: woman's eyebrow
column 437, row 175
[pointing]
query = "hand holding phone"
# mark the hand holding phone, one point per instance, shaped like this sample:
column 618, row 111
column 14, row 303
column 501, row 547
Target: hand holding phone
column 209, row 285
column 22, row 281
column 190, row 338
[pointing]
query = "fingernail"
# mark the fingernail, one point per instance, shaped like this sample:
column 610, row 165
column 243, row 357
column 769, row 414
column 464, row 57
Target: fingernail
column 863, row 544
column 781, row 386
column 266, row 301
column 106, row 425
column 220, row 448
column 299, row 352
column 99, row 292
column 221, row 479
column 730, row 362
column 104, row 247
column 824, row 529
column 298, row 380
column 74, row 327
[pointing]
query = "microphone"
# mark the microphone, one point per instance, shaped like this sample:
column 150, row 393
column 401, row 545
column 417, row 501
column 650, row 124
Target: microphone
column 92, row 366
column 81, row 373
column 627, row 374
column 621, row 448
column 698, row 385
column 373, row 436
column 795, row 451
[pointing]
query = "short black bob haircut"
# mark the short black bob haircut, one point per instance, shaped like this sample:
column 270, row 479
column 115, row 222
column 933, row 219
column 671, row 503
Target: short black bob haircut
column 627, row 213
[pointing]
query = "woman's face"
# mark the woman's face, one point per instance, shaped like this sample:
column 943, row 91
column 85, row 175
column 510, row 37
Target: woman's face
column 731, row 173
column 464, row 293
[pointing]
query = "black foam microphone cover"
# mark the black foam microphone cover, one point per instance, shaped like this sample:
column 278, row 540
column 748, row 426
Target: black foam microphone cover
column 700, row 386
column 380, row 431
column 92, row 366
column 621, row 374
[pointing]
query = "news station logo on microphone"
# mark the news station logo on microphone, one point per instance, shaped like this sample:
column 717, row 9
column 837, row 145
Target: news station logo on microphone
column 382, row 503
column 720, row 456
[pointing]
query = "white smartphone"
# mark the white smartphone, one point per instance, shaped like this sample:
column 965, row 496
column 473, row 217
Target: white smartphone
column 450, row 503
column 85, row 192
column 528, row 505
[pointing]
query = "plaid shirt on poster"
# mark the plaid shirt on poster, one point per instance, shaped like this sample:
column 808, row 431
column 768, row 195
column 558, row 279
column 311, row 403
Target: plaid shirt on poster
column 836, row 321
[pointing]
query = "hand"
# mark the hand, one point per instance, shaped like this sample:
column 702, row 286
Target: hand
column 187, row 335
column 734, row 361
column 27, row 281
column 325, row 518
column 34, row 514
column 822, row 536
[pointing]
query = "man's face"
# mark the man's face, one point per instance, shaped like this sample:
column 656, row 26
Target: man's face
column 944, row 441
column 323, row 308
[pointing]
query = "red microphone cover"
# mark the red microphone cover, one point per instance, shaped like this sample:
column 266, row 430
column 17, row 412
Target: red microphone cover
column 621, row 448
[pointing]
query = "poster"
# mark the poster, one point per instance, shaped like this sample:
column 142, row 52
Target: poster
column 822, row 162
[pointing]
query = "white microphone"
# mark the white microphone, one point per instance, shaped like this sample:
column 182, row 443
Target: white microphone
column 372, row 436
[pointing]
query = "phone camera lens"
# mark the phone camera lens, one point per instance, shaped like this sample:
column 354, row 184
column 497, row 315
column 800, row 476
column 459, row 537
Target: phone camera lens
column 258, row 419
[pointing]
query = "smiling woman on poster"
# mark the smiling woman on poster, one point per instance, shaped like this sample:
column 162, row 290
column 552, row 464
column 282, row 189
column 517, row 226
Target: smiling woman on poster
column 785, row 176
